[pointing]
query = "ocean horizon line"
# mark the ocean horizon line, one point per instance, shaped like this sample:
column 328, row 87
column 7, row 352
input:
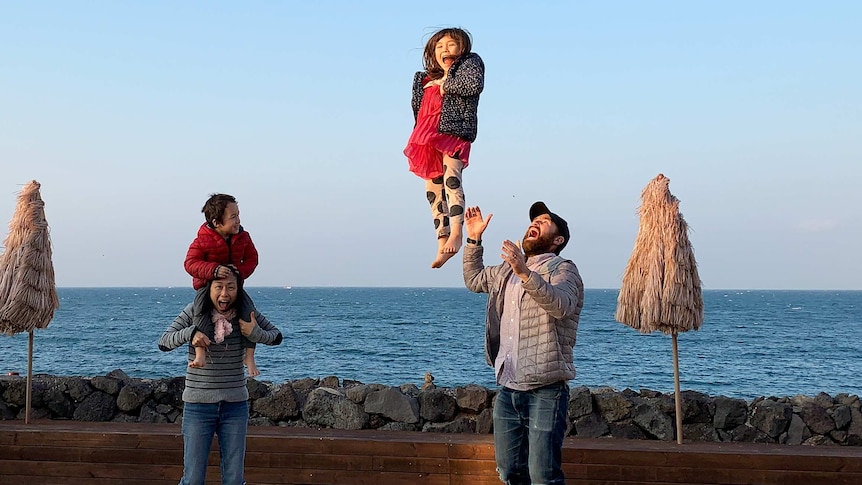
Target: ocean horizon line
column 383, row 287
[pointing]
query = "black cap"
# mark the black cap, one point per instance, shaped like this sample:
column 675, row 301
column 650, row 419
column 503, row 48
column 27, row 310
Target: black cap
column 540, row 208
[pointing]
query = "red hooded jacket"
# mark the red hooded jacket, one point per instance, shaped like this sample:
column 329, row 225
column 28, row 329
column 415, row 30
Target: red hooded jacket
column 210, row 250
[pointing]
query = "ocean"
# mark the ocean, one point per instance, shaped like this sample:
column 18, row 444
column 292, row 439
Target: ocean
column 752, row 343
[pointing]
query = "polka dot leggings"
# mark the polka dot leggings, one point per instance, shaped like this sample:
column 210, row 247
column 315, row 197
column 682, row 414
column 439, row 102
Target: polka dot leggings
column 446, row 196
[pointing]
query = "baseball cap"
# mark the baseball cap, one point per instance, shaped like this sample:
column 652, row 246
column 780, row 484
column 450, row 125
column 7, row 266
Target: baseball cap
column 540, row 208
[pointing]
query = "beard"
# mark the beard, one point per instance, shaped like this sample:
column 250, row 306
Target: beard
column 540, row 245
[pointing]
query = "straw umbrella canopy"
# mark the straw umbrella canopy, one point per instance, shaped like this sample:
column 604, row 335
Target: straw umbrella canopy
column 661, row 289
column 28, row 296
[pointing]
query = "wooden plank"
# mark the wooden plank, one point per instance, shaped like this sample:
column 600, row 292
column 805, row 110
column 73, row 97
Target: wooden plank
column 100, row 453
column 117, row 472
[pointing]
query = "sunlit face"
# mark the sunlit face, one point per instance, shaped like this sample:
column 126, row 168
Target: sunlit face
column 223, row 293
column 541, row 236
column 229, row 223
column 446, row 51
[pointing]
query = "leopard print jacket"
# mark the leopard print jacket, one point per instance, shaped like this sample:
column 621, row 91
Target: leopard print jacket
column 461, row 99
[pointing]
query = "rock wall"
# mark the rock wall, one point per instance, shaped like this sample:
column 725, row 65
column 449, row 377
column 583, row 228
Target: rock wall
column 345, row 404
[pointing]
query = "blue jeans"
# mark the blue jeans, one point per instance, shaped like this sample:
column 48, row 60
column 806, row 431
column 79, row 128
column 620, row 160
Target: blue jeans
column 229, row 420
column 529, row 427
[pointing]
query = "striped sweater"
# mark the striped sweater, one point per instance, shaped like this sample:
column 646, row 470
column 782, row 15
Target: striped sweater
column 223, row 377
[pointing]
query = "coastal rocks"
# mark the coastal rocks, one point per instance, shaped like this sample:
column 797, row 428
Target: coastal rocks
column 330, row 402
column 771, row 417
column 654, row 422
column 437, row 406
column 282, row 404
column 329, row 408
column 580, row 402
column 472, row 398
column 729, row 412
column 133, row 395
column 98, row 406
column 393, row 404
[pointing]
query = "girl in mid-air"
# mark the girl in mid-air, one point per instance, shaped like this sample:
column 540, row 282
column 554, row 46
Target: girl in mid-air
column 445, row 101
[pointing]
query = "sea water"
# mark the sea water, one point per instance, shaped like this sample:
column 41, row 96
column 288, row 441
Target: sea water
column 752, row 343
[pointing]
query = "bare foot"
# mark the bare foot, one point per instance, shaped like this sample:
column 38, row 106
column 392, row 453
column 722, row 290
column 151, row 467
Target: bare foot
column 453, row 243
column 442, row 256
column 441, row 259
column 253, row 371
column 198, row 363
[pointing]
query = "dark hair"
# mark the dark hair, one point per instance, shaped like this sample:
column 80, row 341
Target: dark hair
column 461, row 36
column 215, row 206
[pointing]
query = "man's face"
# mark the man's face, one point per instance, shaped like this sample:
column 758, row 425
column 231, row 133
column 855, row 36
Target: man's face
column 540, row 237
column 223, row 293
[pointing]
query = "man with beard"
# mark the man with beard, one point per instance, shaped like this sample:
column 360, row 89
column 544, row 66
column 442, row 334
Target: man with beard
column 534, row 303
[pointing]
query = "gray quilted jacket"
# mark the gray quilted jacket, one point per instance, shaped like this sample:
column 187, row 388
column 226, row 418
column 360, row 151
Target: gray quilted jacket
column 461, row 99
column 550, row 310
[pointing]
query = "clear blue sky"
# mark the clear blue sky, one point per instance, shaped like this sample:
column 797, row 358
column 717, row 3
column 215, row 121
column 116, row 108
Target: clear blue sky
column 131, row 113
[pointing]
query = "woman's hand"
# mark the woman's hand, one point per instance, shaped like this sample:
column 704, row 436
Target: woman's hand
column 199, row 339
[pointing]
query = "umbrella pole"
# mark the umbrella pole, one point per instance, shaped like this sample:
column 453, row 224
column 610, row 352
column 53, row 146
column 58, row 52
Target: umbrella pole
column 29, row 379
column 676, row 391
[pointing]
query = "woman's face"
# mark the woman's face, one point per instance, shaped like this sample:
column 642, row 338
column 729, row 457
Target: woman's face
column 223, row 293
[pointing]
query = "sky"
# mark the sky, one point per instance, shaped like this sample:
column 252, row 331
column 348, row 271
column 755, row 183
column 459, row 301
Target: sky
column 131, row 113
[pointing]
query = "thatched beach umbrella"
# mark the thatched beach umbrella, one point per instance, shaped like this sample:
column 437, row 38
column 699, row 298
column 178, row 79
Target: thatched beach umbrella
column 28, row 296
column 661, row 288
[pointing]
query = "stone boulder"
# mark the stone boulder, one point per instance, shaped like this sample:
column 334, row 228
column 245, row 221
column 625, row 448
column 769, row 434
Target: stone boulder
column 796, row 433
column 816, row 417
column 485, row 421
column 393, row 404
column 98, row 406
column 614, row 406
column 841, row 416
column 279, row 405
column 854, row 431
column 771, row 417
column 592, row 425
column 461, row 424
column 133, row 395
column 328, row 408
column 358, row 393
column 170, row 391
column 436, row 406
column 626, row 429
column 729, row 412
column 108, row 385
column 653, row 422
column 77, row 388
column 60, row 405
column 257, row 389
column 697, row 407
column 580, row 402
column 472, row 397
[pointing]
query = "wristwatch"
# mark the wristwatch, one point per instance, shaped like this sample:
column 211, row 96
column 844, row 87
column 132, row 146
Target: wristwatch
column 473, row 241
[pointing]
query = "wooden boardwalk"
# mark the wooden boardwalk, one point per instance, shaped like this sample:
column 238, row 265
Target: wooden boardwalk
column 78, row 453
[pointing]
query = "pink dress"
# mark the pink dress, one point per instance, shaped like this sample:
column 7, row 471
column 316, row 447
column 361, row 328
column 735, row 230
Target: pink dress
column 426, row 147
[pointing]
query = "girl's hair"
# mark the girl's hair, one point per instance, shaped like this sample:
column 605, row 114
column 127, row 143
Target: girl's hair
column 461, row 36
column 215, row 206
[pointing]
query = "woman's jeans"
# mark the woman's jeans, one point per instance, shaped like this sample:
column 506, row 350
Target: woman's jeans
column 529, row 427
column 229, row 420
